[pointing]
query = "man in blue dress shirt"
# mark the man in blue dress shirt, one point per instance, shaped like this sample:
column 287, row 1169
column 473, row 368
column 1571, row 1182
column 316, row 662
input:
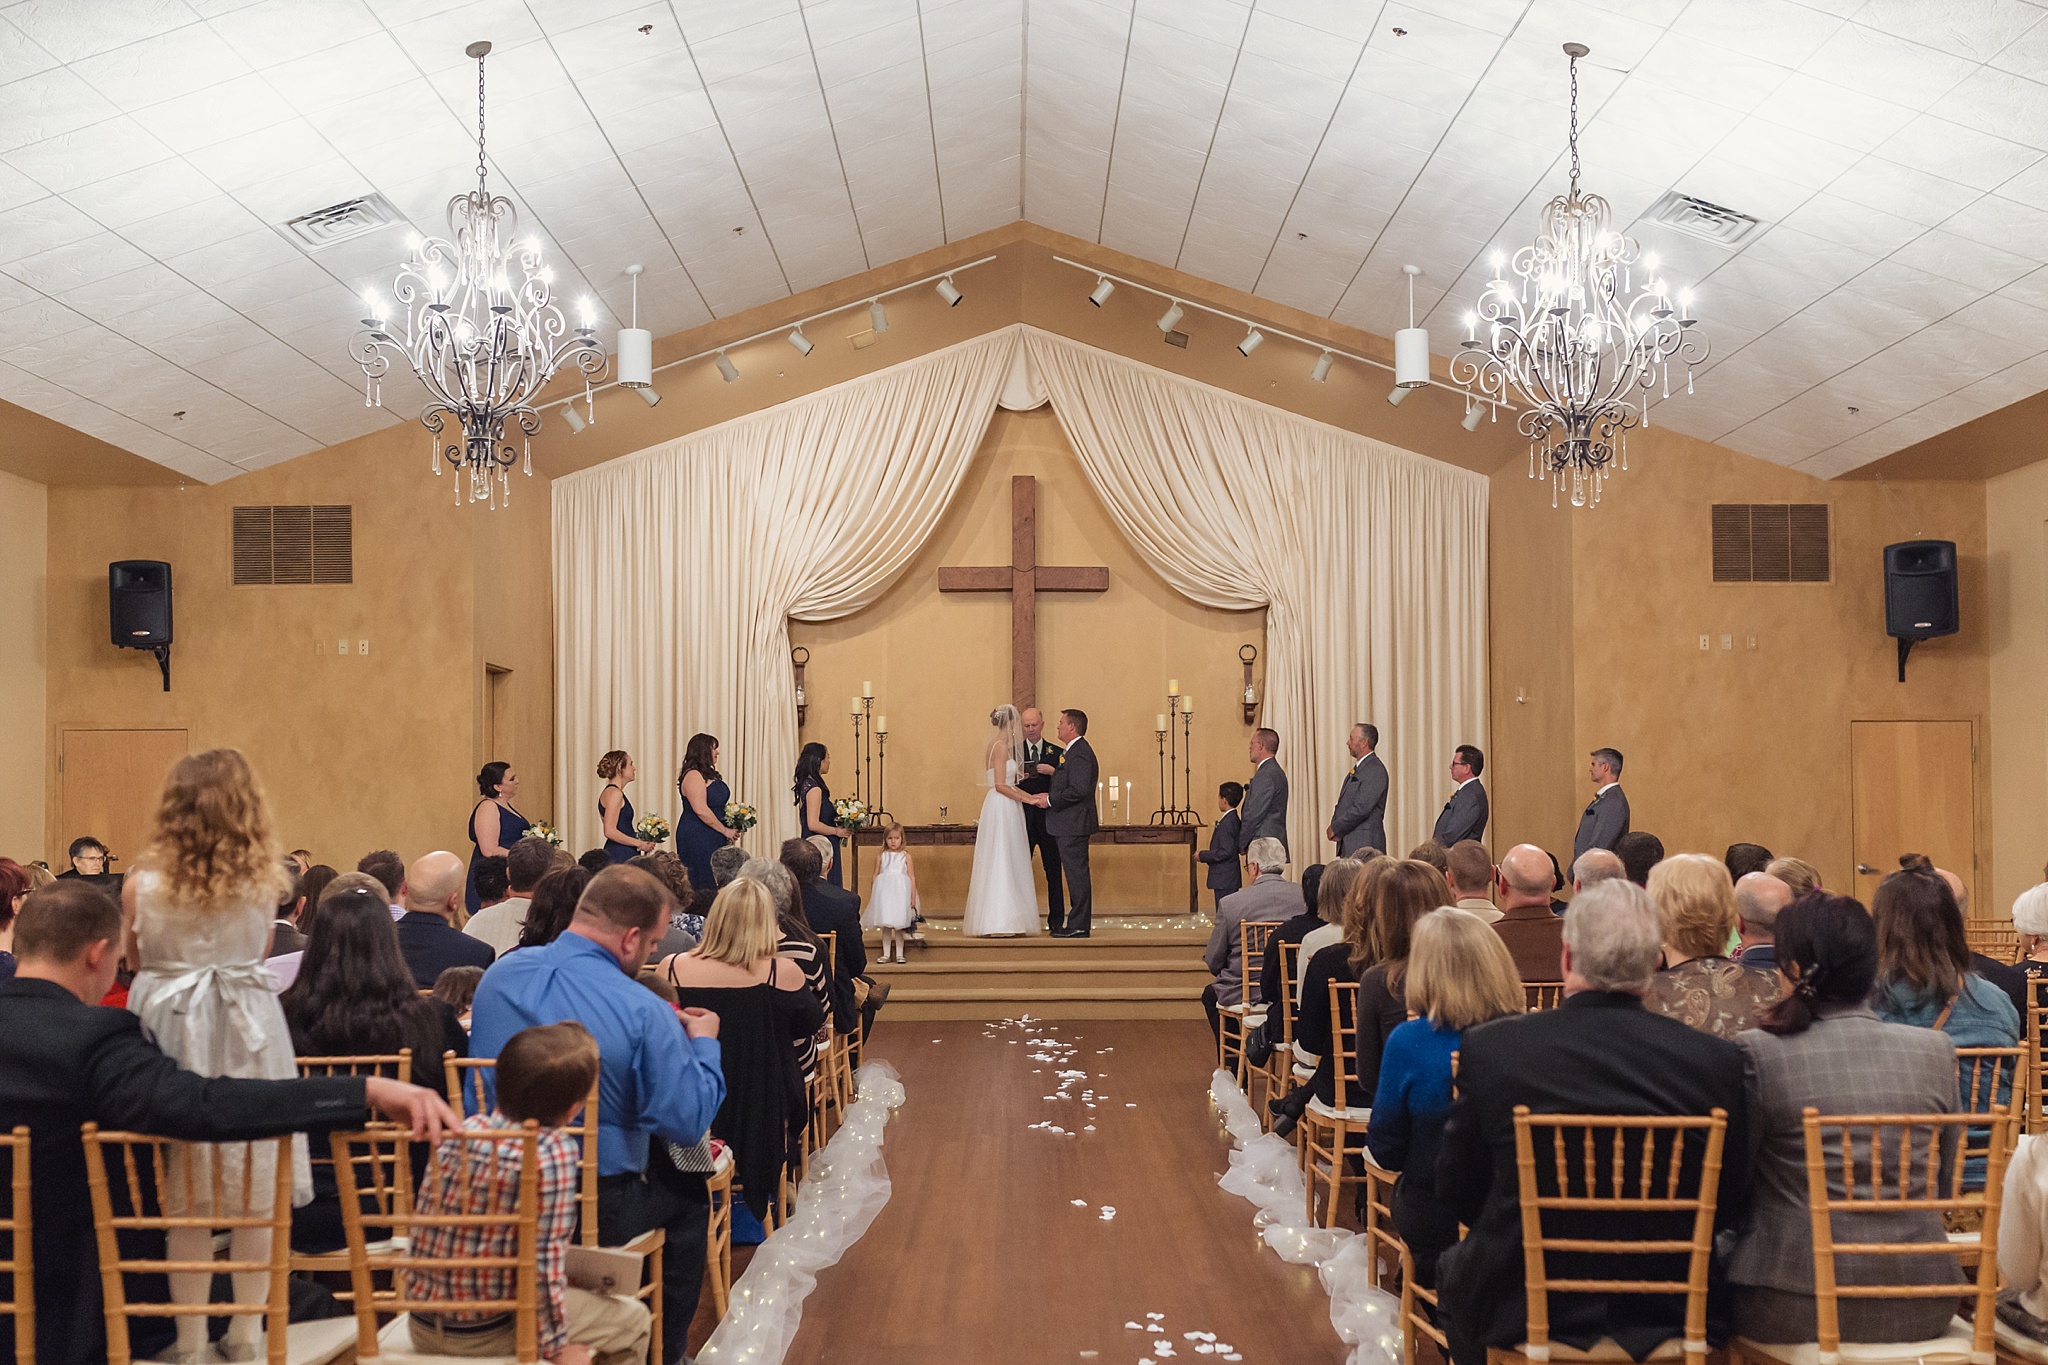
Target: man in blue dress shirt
column 660, row 1074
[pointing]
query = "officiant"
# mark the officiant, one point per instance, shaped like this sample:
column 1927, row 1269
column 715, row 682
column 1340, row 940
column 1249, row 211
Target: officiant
column 1038, row 749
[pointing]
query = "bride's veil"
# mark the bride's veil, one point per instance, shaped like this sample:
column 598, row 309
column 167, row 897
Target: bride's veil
column 1011, row 730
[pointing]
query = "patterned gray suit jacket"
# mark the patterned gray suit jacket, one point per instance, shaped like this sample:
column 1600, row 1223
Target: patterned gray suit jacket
column 1849, row 1062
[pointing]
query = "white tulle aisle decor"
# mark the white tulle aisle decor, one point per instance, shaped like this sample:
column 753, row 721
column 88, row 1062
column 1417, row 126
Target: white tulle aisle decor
column 847, row 1187
column 1264, row 1169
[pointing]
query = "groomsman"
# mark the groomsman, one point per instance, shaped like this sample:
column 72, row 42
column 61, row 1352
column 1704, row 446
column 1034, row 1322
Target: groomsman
column 1038, row 749
column 1606, row 817
column 1265, row 799
column 1464, row 815
column 1360, row 820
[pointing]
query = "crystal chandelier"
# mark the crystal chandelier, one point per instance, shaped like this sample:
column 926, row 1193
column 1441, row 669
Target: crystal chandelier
column 481, row 330
column 1573, row 342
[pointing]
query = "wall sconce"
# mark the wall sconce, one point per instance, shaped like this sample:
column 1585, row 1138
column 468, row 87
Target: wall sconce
column 798, row 657
column 1247, row 654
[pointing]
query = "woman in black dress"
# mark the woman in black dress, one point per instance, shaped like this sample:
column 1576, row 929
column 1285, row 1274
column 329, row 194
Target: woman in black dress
column 814, row 802
column 494, row 826
column 763, row 1006
column 700, row 823
column 615, row 812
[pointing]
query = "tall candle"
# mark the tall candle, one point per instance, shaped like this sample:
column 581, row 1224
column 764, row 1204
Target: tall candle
column 867, row 689
column 1187, row 706
column 1159, row 725
column 1173, row 687
column 881, row 725
column 854, row 706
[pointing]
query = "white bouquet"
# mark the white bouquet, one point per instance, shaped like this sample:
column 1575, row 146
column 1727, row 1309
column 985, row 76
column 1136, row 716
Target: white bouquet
column 741, row 816
column 546, row 832
column 652, row 828
column 849, row 812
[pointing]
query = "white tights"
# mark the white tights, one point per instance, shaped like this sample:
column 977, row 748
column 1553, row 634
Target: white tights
column 196, row 1244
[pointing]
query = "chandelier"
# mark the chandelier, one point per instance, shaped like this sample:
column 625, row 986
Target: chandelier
column 1572, row 341
column 482, row 332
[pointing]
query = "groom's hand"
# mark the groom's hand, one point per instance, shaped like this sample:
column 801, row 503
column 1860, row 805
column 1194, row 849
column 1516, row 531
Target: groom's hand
column 1042, row 799
column 1047, row 769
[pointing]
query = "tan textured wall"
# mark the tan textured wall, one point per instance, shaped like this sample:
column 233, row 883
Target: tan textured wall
column 24, row 665
column 1727, row 745
column 1530, row 593
column 2016, row 518
column 939, row 662
column 357, row 752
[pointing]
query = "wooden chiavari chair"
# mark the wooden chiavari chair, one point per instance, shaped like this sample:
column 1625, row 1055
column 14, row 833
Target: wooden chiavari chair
column 1607, row 1164
column 1543, row 995
column 1893, row 1164
column 1332, row 1133
column 835, row 1064
column 1996, row 939
column 718, row 1236
column 2036, row 1022
column 1418, row 1316
column 466, row 1087
column 18, row 1263
column 195, row 1182
column 1383, row 1239
column 387, row 1169
column 1280, row 1066
column 1252, row 939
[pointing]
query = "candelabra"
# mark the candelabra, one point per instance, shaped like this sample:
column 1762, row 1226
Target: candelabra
column 1176, row 751
column 870, row 754
column 798, row 657
column 1248, row 654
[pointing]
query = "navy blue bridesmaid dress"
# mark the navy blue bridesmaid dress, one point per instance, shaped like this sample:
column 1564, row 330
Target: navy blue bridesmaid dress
column 512, row 827
column 614, row 850
column 697, row 841
column 824, row 817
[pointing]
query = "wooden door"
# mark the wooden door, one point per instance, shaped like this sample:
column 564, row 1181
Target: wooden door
column 1913, row 786
column 112, row 780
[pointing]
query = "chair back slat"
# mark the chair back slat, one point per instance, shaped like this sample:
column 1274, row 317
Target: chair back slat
column 466, row 1082
column 1343, row 1041
column 829, row 949
column 2037, row 1017
column 17, row 1251
column 1660, row 1168
column 1543, row 995
column 1996, row 939
column 465, row 1171
column 387, row 1167
column 1252, row 938
column 1990, row 1079
column 1850, row 1153
column 1290, row 961
column 188, row 1189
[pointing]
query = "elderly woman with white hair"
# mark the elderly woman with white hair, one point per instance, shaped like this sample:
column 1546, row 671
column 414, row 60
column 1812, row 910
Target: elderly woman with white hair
column 2030, row 917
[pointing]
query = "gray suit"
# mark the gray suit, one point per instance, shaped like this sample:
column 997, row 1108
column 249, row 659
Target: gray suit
column 1265, row 804
column 1271, row 897
column 1464, row 815
column 1360, row 820
column 1070, row 819
column 1849, row 1062
column 1603, row 824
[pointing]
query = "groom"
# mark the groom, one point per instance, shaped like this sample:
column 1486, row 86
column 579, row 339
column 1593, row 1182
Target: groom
column 1070, row 818
column 1041, row 759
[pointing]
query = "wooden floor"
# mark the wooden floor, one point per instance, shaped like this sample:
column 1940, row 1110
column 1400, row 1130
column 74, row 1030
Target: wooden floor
column 981, row 1255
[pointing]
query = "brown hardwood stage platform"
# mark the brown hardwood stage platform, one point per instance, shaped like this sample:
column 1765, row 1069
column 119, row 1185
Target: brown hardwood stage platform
column 1129, row 968
column 981, row 1256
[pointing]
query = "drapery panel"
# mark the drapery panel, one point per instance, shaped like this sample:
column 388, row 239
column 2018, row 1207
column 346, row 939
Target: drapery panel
column 677, row 569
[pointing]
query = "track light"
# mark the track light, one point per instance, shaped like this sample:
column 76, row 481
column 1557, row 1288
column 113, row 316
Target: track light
column 648, row 395
column 799, row 340
column 947, row 292
column 573, row 417
column 1172, row 316
column 636, row 345
column 1251, row 341
column 1321, row 373
column 878, row 316
column 726, row 368
column 1473, row 412
column 1411, row 343
column 1394, row 398
column 1104, row 287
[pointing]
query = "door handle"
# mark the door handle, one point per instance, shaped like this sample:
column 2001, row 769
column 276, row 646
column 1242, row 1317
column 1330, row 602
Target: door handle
column 1865, row 870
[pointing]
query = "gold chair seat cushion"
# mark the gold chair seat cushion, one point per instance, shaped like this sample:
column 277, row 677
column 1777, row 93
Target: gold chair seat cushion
column 1952, row 1348
column 1350, row 1114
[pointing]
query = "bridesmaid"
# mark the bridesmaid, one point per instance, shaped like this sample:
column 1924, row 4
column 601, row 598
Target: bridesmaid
column 493, row 826
column 700, row 828
column 814, row 801
column 615, row 812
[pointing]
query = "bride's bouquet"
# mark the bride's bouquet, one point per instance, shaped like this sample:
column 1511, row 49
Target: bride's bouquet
column 545, row 831
column 741, row 816
column 652, row 828
column 849, row 812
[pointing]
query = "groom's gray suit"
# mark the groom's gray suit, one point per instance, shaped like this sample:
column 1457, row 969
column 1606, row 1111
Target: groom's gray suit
column 1070, row 819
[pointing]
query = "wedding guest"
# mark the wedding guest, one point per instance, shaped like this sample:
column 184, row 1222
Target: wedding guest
column 831, row 909
column 2003, row 975
column 1469, row 871
column 427, row 936
column 681, row 934
column 1639, row 851
column 13, row 894
column 493, row 885
column 553, row 907
column 1301, row 924
column 1759, row 899
column 1532, row 933
column 1270, row 897
column 1820, row 1047
column 814, row 802
column 1596, row 865
column 498, row 925
column 1431, row 852
column 1699, row 985
column 725, row 865
column 285, row 935
column 89, row 862
column 1743, row 859
column 456, row 988
column 615, row 812
column 596, row 860
column 700, row 827
column 1459, row 976
column 765, row 1009
column 2030, row 917
column 303, row 857
column 1801, row 876
column 1923, row 963
column 389, row 869
column 1226, row 843
column 284, row 966
column 494, row 825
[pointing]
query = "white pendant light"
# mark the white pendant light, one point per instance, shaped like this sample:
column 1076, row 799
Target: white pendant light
column 1104, row 287
column 1411, row 344
column 1170, row 319
column 1321, row 373
column 636, row 345
column 878, row 317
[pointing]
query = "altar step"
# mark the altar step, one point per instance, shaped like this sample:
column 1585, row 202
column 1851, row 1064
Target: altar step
column 1115, row 974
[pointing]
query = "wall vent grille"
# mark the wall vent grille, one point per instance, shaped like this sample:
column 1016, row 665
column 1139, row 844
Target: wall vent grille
column 294, row 544
column 1771, row 542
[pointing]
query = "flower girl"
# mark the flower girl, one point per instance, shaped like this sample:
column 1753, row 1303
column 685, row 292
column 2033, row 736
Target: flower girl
column 892, row 901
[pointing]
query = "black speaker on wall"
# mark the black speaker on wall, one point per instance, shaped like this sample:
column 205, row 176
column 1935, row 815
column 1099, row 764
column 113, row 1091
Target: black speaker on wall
column 1920, row 593
column 139, row 608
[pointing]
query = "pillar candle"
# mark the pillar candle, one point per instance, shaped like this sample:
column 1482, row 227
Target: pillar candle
column 867, row 689
column 1187, row 706
column 854, row 706
column 1173, row 687
column 1159, row 725
column 881, row 725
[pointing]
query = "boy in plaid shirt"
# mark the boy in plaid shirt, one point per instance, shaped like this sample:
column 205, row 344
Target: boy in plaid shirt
column 544, row 1073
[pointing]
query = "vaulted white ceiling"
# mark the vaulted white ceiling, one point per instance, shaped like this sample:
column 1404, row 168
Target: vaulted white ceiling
column 744, row 150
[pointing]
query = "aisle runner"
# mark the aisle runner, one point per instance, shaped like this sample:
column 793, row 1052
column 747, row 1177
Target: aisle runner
column 1266, row 1170
column 847, row 1187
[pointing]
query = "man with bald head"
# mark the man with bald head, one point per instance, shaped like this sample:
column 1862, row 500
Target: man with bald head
column 1526, row 925
column 2003, row 975
column 1758, row 898
column 1040, row 750
column 1594, row 866
column 432, row 897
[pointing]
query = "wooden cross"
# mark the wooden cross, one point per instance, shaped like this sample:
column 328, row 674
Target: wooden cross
column 1023, row 578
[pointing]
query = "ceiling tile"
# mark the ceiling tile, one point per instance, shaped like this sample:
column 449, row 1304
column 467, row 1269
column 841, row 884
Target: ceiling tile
column 1898, row 69
column 1942, row 148
column 1972, row 29
column 1958, row 258
column 163, row 67
column 233, row 108
column 47, row 105
column 76, row 263
column 71, row 31
column 276, row 31
column 93, row 153
column 1786, row 32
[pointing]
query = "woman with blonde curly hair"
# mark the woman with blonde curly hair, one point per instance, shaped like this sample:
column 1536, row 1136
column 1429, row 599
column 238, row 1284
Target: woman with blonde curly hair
column 1700, row 985
column 198, row 914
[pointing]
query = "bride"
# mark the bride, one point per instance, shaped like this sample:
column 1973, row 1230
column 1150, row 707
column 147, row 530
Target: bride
column 1001, row 901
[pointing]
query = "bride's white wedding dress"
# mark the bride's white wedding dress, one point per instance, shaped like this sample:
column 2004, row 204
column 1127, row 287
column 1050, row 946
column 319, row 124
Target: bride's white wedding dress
column 1000, row 897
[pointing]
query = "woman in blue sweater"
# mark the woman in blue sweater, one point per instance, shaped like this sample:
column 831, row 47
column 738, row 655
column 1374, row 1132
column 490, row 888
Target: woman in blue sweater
column 1460, row 975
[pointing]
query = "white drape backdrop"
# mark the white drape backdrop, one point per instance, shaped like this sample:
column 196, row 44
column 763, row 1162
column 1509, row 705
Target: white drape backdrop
column 677, row 569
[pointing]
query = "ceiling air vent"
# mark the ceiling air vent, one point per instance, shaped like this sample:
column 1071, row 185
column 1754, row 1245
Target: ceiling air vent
column 339, row 222
column 294, row 544
column 1699, row 218
column 1770, row 542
